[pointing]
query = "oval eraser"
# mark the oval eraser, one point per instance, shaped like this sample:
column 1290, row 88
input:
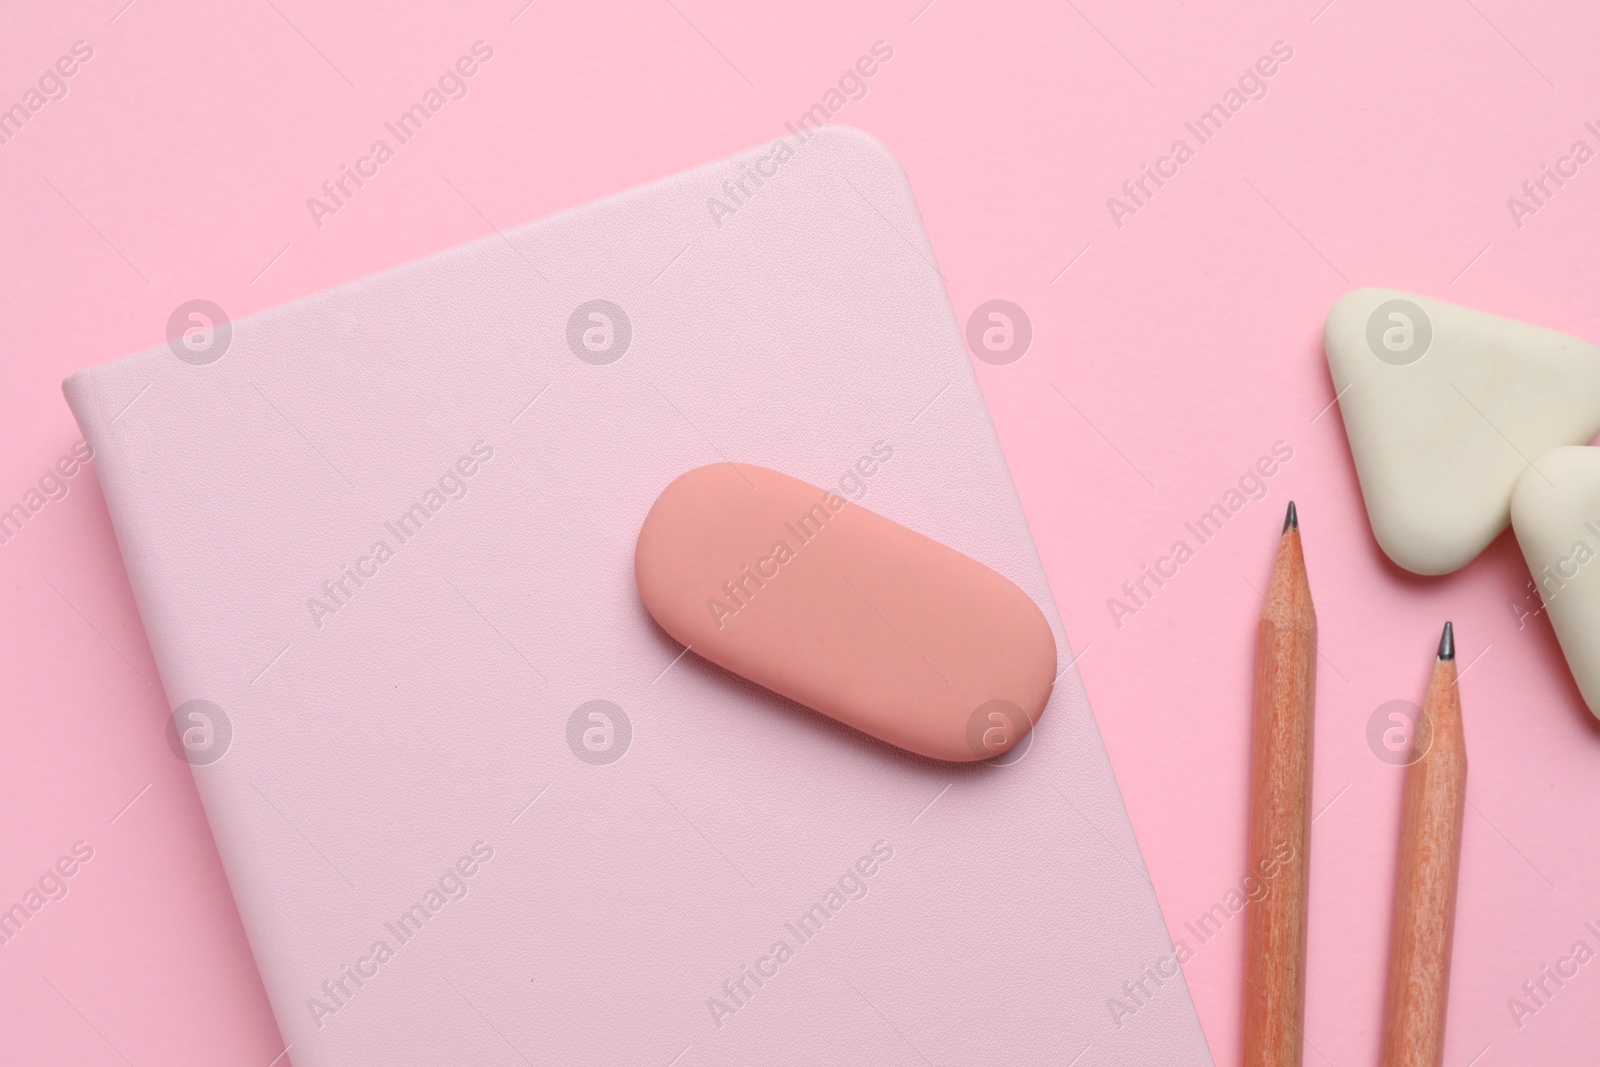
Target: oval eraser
column 836, row 607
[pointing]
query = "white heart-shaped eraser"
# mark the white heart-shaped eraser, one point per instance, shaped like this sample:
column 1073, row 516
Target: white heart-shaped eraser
column 1556, row 513
column 1445, row 407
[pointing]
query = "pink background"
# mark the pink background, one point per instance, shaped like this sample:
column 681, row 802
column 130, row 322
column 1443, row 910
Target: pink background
column 1175, row 350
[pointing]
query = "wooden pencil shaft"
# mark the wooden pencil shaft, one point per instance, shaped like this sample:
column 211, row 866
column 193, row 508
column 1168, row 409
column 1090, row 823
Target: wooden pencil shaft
column 1432, row 807
column 1280, row 824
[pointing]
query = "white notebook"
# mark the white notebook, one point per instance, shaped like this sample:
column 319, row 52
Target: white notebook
column 474, row 806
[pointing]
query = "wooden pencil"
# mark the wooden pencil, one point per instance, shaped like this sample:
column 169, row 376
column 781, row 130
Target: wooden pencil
column 1280, row 820
column 1425, row 883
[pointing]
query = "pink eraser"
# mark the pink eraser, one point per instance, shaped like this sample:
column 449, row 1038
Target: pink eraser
column 845, row 611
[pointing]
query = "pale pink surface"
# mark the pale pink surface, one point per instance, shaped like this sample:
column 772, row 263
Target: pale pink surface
column 1170, row 356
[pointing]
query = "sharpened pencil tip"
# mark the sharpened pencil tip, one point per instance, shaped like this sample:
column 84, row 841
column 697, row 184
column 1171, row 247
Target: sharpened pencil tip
column 1447, row 643
column 1291, row 521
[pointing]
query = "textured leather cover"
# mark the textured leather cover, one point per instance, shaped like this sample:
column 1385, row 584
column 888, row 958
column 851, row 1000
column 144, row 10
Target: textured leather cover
column 380, row 753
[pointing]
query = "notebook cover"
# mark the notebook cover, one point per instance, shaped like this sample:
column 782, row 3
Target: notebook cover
column 474, row 806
